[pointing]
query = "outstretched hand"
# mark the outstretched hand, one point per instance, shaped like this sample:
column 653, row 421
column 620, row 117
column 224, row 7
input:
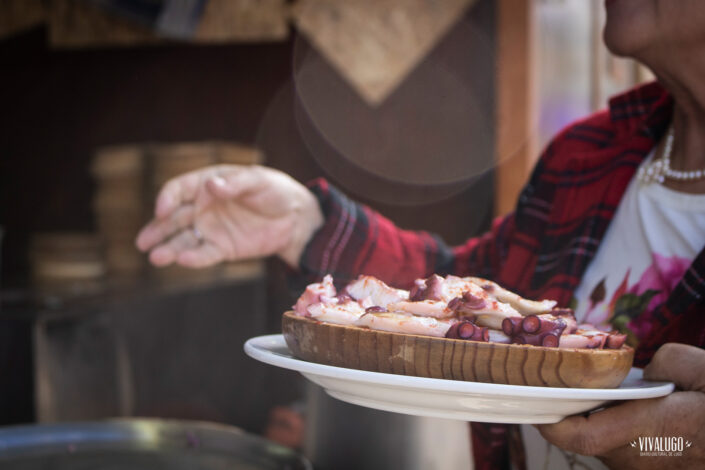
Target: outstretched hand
column 228, row 213
column 607, row 434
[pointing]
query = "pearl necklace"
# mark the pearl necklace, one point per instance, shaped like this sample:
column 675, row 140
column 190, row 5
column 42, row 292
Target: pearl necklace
column 659, row 170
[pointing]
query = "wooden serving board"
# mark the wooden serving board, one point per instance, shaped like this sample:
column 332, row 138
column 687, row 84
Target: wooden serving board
column 442, row 358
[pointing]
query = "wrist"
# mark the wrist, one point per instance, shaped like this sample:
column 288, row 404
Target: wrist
column 307, row 220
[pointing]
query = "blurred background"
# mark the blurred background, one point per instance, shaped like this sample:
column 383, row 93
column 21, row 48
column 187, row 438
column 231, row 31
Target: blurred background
column 432, row 112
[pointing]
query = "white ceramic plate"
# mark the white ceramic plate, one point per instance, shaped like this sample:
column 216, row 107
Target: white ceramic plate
column 453, row 399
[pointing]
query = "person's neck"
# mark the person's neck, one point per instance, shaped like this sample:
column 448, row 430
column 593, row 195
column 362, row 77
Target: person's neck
column 687, row 87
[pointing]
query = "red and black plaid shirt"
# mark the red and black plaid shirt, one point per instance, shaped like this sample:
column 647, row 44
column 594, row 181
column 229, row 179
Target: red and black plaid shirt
column 539, row 251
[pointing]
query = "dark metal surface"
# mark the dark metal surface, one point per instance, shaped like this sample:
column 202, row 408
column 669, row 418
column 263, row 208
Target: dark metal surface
column 141, row 444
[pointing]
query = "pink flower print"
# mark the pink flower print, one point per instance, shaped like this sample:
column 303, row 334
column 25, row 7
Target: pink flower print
column 601, row 313
column 662, row 276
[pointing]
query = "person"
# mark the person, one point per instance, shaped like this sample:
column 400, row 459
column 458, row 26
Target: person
column 612, row 220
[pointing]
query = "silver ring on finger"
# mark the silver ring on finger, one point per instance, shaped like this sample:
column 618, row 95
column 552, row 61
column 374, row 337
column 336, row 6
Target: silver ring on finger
column 197, row 235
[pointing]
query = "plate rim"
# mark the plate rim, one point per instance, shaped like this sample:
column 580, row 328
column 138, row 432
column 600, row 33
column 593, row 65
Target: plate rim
column 256, row 348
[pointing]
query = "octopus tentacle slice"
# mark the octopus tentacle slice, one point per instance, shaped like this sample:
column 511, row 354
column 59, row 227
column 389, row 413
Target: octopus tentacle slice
column 423, row 308
column 511, row 326
column 469, row 331
column 471, row 296
column 573, row 341
column 496, row 336
column 490, row 321
column 343, row 314
column 444, row 298
column 474, row 302
column 593, row 339
column 323, row 291
column 538, row 330
column 533, row 323
column 568, row 316
column 615, row 340
column 427, row 289
column 399, row 323
column 520, row 304
column 378, row 292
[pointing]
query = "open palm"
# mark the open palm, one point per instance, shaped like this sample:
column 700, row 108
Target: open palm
column 230, row 212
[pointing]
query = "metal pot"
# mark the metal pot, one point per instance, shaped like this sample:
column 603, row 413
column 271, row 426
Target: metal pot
column 141, row 444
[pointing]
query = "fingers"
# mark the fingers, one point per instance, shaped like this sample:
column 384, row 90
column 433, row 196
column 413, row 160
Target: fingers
column 605, row 430
column 205, row 254
column 609, row 434
column 219, row 187
column 225, row 181
column 680, row 413
column 159, row 230
column 234, row 183
column 167, row 253
column 177, row 191
column 679, row 363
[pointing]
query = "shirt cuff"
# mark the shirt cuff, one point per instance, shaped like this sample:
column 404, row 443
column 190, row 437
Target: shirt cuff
column 322, row 253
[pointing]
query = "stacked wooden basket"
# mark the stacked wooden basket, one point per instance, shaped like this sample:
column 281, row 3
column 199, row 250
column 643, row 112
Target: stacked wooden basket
column 119, row 206
column 66, row 262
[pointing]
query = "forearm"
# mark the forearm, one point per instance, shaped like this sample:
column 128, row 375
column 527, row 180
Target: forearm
column 355, row 239
column 309, row 220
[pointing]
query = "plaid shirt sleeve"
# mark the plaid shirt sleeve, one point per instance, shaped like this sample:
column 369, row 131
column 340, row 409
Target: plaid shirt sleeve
column 357, row 240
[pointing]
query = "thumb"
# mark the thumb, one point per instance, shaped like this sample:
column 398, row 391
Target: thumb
column 681, row 364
